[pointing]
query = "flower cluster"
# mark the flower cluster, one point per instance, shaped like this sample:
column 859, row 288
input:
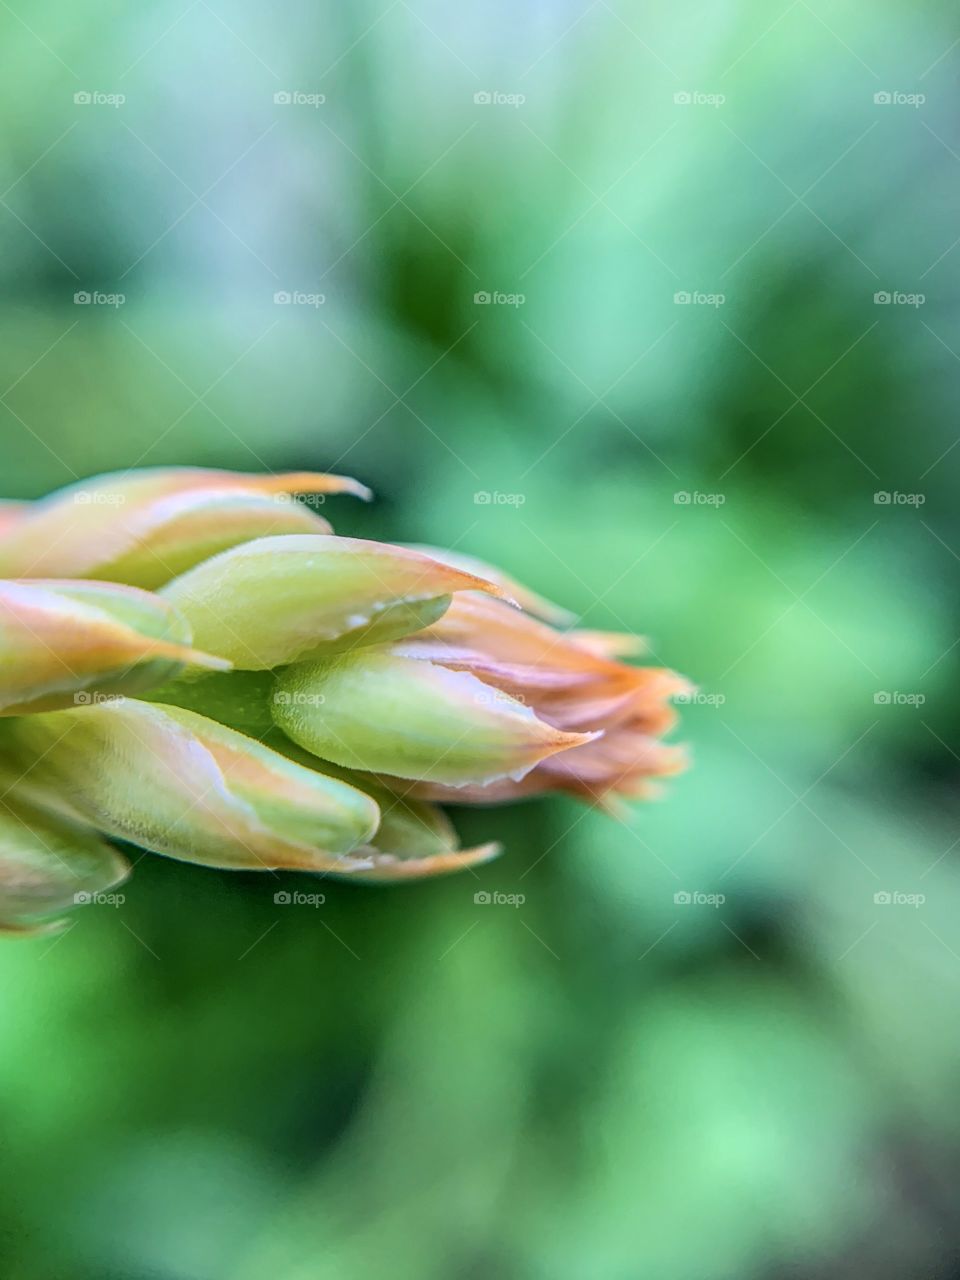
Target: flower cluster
column 193, row 663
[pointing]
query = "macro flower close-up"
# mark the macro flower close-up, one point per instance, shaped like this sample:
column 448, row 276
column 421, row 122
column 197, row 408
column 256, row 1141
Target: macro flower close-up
column 416, row 679
column 479, row 660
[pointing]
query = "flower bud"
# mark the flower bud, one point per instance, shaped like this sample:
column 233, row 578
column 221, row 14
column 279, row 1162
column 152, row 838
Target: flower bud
column 179, row 784
column 48, row 865
column 382, row 713
column 414, row 840
column 279, row 600
column 65, row 643
column 145, row 527
column 570, row 680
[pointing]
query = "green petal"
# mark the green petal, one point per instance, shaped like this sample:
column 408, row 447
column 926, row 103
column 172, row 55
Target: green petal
column 185, row 786
column 48, row 865
column 145, row 527
column 414, row 841
column 66, row 643
column 381, row 713
column 278, row 600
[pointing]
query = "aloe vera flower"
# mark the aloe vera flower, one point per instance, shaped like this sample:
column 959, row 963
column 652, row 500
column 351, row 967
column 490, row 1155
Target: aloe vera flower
column 193, row 663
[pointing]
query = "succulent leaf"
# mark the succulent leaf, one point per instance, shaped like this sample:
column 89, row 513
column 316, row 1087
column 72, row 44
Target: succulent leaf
column 146, row 527
column 48, row 865
column 279, row 600
column 66, row 643
column 182, row 785
column 383, row 713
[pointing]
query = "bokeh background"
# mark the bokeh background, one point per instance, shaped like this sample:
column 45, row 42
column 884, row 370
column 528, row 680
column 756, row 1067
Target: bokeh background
column 721, row 249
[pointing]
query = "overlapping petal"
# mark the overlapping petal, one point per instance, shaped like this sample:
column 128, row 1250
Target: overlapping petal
column 308, row 696
column 570, row 680
column 279, row 600
column 146, row 527
column 414, row 840
column 529, row 600
column 179, row 784
column 48, row 865
column 381, row 712
column 64, row 643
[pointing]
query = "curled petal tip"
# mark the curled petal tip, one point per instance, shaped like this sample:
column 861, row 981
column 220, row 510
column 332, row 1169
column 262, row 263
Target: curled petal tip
column 188, row 656
column 315, row 482
column 146, row 527
column 387, row 868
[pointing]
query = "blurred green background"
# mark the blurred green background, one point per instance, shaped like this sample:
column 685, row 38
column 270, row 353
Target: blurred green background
column 605, row 1081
